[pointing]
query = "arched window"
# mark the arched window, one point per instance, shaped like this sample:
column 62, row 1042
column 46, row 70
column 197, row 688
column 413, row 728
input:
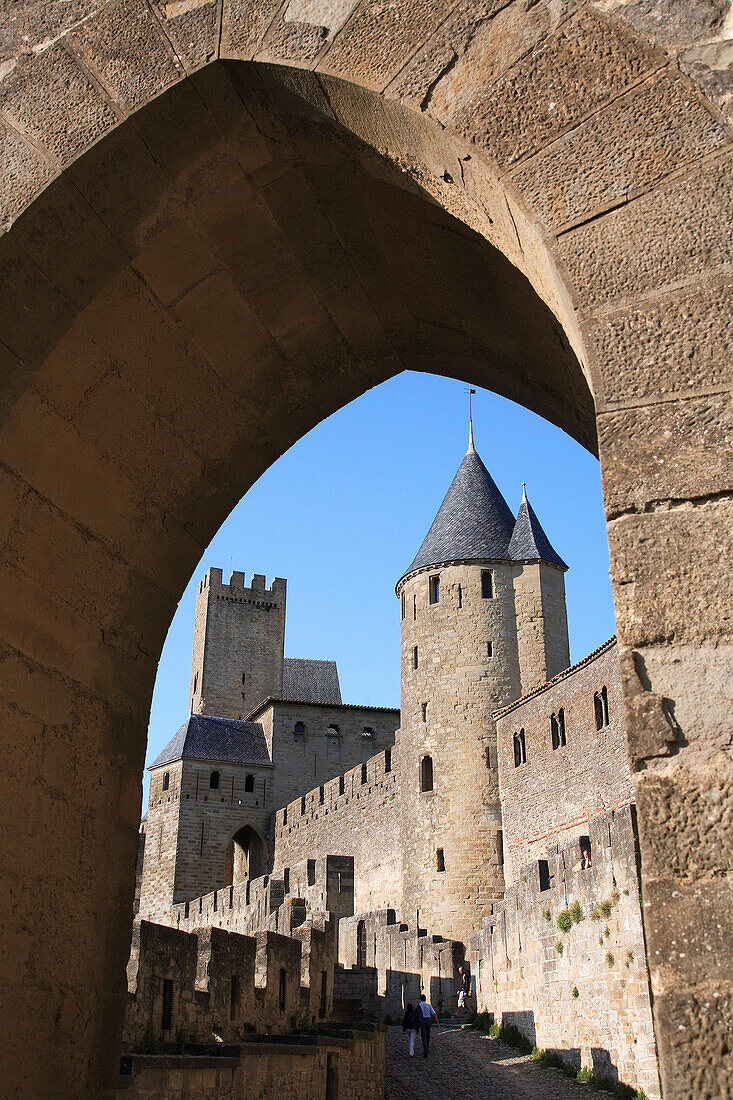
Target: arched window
column 166, row 780
column 426, row 773
column 299, row 729
column 557, row 728
column 520, row 749
column 214, row 781
column 249, row 784
column 600, row 707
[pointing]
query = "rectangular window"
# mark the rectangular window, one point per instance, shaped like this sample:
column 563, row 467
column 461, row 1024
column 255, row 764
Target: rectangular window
column 460, row 596
column 233, row 997
column 321, row 794
column 282, row 992
column 414, row 608
column 585, row 856
column 414, row 657
column 402, row 606
column 324, row 992
column 440, row 859
column 167, row 1004
column 201, row 842
column 424, row 712
column 435, row 588
column 557, row 729
column 341, row 784
column 388, row 760
column 487, row 584
column 363, row 774
column 544, row 872
column 489, row 649
column 520, row 749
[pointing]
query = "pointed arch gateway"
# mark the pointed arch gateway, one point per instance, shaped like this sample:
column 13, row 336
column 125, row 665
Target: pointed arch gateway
column 245, row 856
column 568, row 248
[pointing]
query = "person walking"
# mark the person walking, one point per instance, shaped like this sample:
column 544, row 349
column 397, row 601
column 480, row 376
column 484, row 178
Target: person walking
column 423, row 1017
column 408, row 1027
column 464, row 991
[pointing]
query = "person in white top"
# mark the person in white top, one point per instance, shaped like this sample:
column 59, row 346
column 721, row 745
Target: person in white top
column 423, row 1017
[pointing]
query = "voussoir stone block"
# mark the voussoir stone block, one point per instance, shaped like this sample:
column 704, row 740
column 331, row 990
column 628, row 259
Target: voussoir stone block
column 125, row 47
column 685, row 224
column 666, row 451
column 669, row 568
column 380, row 37
column 23, row 172
column 193, row 28
column 564, row 79
column 50, row 98
column 675, row 344
column 243, row 23
column 633, row 143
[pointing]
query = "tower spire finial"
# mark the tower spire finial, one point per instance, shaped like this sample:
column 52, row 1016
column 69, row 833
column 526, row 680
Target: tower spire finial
column 470, row 421
column 524, row 491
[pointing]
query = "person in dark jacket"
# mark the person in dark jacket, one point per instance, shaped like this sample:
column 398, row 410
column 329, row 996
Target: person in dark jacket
column 408, row 1028
column 422, row 1019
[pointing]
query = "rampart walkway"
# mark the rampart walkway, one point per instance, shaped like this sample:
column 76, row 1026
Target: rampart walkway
column 464, row 1065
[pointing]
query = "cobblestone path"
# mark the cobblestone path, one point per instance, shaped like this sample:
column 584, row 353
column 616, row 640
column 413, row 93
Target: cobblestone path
column 465, row 1065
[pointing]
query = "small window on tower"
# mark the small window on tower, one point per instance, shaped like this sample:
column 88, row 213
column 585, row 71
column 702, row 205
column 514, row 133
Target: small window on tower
column 244, row 678
column 460, row 596
column 557, row 729
column 426, row 773
column 402, row 606
column 299, row 729
column 600, row 707
column 424, row 712
column 341, row 784
column 520, row 749
column 543, row 868
column 487, row 584
column 214, row 781
column 487, row 756
column 166, row 780
column 414, row 657
column 440, row 859
column 363, row 773
column 414, row 607
column 489, row 649
column 249, row 784
column 195, row 682
column 435, row 588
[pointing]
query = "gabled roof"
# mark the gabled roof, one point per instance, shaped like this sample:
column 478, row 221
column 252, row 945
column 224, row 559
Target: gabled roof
column 529, row 542
column 311, row 680
column 224, row 740
column 474, row 522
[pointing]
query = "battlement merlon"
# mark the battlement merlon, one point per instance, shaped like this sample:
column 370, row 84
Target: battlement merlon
column 214, row 579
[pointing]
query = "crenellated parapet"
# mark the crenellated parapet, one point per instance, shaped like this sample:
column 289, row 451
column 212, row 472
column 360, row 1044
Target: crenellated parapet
column 218, row 984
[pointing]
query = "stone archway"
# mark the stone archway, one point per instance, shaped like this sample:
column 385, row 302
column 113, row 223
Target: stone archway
column 245, row 856
column 532, row 196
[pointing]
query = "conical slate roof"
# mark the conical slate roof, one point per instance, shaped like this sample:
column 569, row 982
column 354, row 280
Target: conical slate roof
column 529, row 542
column 474, row 522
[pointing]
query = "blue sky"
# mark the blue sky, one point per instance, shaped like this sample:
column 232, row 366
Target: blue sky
column 343, row 512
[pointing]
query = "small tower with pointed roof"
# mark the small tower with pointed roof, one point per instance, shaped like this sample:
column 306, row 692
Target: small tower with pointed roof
column 482, row 618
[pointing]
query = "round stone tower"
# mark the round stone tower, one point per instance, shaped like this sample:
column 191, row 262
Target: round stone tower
column 461, row 661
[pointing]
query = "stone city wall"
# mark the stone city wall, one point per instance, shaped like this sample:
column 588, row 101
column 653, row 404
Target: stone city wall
column 189, row 828
column 558, row 791
column 281, row 902
column 336, row 1064
column 340, row 816
column 195, row 986
column 385, row 965
column 311, row 744
column 563, row 957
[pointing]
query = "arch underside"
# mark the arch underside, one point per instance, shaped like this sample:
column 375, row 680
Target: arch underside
column 193, row 277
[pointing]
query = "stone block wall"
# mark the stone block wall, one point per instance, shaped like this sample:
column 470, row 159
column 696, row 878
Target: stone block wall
column 557, row 792
column 189, row 827
column 579, row 986
column 385, row 965
column 220, row 983
column 542, row 622
column 304, row 760
column 338, row 1065
column 340, row 816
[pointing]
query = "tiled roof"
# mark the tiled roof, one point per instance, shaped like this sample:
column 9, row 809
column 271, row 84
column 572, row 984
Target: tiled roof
column 225, row 740
column 311, row 680
column 529, row 542
column 608, row 644
column 474, row 522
